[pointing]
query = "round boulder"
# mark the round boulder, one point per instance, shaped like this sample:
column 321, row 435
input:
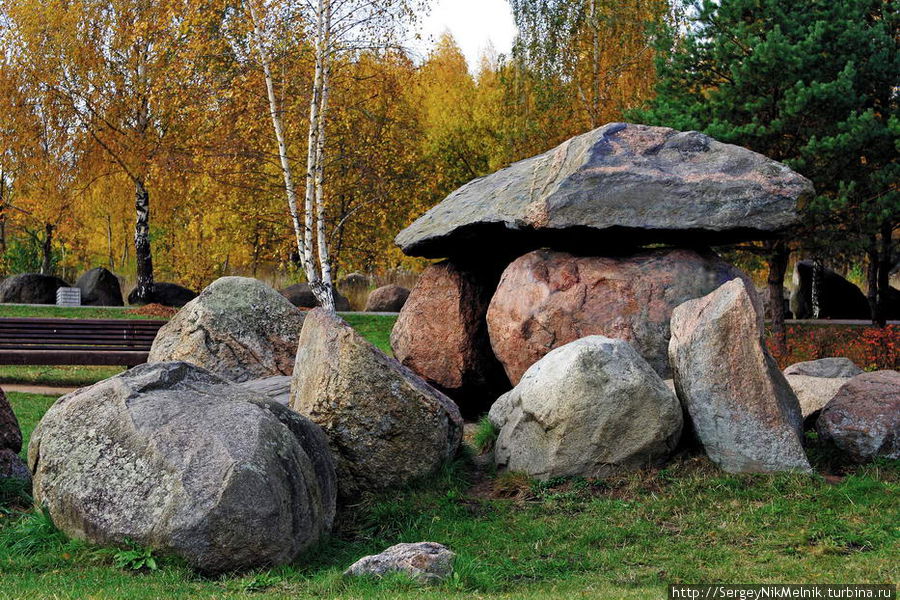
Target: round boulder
column 301, row 296
column 175, row 458
column 586, row 409
column 863, row 419
column 387, row 298
column 100, row 287
column 547, row 299
column 30, row 288
column 238, row 328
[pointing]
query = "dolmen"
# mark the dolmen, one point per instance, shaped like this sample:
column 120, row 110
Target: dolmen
column 604, row 235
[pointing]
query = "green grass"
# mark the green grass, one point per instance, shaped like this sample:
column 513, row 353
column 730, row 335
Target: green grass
column 75, row 312
column 64, row 376
column 627, row 537
column 375, row 328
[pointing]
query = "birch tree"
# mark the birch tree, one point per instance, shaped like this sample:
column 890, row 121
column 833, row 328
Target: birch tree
column 337, row 30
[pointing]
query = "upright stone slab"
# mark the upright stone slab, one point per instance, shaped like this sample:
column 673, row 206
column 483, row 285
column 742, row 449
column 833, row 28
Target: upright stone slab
column 385, row 425
column 742, row 408
column 441, row 334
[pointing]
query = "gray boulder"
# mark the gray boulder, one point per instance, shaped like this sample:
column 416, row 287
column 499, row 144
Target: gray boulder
column 387, row 298
column 617, row 185
column 863, row 419
column 30, row 288
column 824, row 367
column 100, row 287
column 276, row 387
column 177, row 459
column 385, row 425
column 816, row 382
column 425, row 562
column 813, row 393
column 740, row 405
column 587, row 408
column 301, row 296
column 10, row 434
column 12, row 467
column 238, row 328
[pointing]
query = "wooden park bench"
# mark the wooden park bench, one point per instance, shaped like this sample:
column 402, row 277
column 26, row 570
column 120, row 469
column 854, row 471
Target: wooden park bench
column 76, row 341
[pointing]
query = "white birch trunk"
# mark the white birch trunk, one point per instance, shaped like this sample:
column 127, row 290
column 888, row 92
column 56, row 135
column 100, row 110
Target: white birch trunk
column 314, row 208
column 324, row 258
column 301, row 234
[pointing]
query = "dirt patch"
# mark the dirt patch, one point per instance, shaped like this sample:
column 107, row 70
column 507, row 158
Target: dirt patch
column 153, row 310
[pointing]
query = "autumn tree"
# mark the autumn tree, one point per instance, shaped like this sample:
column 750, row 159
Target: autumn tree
column 123, row 69
column 586, row 61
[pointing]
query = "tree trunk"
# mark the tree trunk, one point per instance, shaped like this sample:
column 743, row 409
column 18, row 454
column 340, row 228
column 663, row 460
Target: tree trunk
column 47, row 250
column 872, row 277
column 109, row 242
column 2, row 211
column 778, row 261
column 142, row 254
column 885, row 263
column 815, row 292
column 326, row 296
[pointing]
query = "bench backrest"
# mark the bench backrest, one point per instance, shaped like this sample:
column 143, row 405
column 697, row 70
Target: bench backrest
column 77, row 334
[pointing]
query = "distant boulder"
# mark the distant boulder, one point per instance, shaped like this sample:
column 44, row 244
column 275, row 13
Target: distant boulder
column 167, row 294
column 387, row 298
column 301, row 296
column 836, row 366
column 838, row 298
column 30, row 288
column 100, row 287
column 355, row 280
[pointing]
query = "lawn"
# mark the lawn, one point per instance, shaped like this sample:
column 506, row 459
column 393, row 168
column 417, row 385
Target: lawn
column 623, row 538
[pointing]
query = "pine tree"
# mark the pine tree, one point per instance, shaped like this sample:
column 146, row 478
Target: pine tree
column 811, row 84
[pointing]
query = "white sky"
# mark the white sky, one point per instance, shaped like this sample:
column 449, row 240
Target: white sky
column 474, row 23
